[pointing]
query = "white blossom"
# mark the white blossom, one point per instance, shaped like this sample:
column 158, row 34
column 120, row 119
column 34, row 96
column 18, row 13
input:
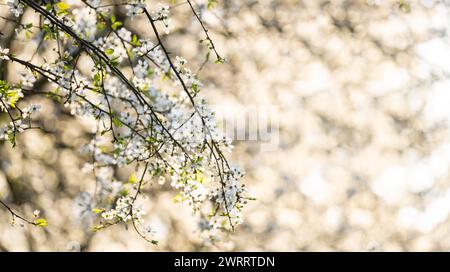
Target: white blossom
column 15, row 7
column 135, row 8
column 27, row 80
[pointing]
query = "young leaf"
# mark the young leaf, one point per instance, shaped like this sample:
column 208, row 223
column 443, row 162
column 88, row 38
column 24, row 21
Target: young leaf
column 116, row 25
column 41, row 222
column 132, row 179
column 109, row 51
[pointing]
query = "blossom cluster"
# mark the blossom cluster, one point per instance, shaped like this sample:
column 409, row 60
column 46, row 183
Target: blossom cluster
column 124, row 210
column 147, row 110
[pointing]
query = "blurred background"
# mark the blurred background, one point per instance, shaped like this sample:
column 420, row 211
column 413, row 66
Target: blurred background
column 361, row 163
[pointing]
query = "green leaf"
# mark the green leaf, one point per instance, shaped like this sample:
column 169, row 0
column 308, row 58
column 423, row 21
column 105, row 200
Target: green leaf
column 116, row 122
column 151, row 139
column 12, row 138
column 62, row 6
column 41, row 222
column 121, row 140
column 12, row 95
column 123, row 192
column 219, row 60
column 195, row 88
column 97, row 210
column 109, row 51
column 135, row 41
column 98, row 79
column 114, row 61
column 199, row 176
column 211, row 4
column 101, row 26
column 132, row 179
column 97, row 228
column 404, row 6
column 178, row 198
column 116, row 25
